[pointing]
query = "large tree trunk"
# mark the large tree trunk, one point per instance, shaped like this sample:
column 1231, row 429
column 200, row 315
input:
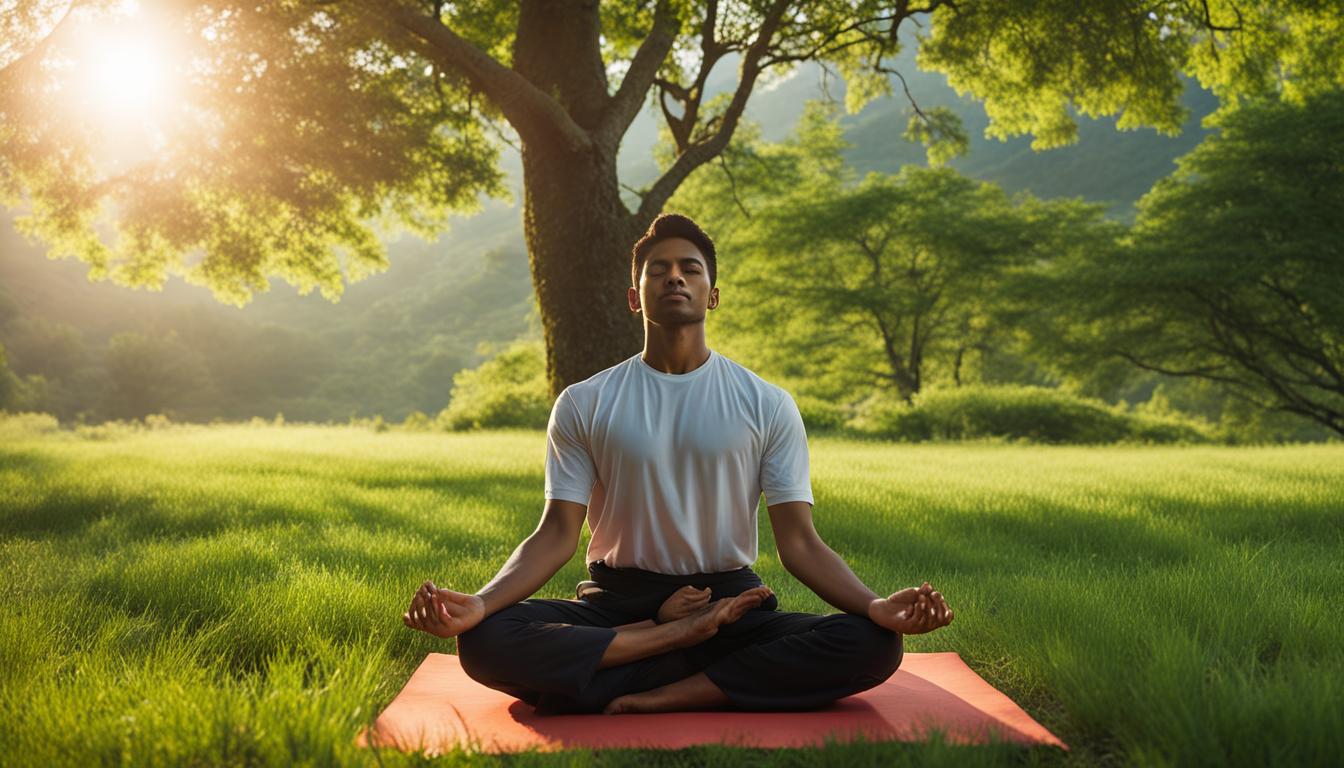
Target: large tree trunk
column 579, row 232
column 579, row 236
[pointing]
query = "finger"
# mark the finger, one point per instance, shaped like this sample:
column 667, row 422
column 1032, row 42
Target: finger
column 904, row 596
column 448, row 595
column 941, row 605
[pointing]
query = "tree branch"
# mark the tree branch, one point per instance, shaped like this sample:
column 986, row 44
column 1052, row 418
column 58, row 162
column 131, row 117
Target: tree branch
column 33, row 55
column 700, row 152
column 629, row 97
column 532, row 113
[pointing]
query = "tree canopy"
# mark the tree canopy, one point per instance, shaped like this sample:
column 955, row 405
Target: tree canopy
column 289, row 136
column 883, row 283
column 1234, row 271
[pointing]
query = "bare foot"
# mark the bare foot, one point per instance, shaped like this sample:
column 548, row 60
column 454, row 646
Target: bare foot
column 696, row 692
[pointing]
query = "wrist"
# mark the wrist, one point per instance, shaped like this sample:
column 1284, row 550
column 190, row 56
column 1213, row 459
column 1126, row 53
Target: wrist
column 868, row 611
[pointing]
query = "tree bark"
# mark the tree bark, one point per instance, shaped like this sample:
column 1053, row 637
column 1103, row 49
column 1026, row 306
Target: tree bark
column 579, row 237
column 579, row 233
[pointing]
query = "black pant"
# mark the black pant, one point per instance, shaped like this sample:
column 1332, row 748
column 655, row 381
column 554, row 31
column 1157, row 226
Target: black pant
column 546, row 652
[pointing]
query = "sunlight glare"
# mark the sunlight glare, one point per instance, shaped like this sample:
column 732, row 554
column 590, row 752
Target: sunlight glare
column 126, row 70
column 127, row 73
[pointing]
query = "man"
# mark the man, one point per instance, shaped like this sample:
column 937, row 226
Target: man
column 666, row 455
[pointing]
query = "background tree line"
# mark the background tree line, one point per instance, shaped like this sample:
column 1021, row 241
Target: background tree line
column 301, row 131
column 979, row 260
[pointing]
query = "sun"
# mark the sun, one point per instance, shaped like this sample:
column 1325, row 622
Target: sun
column 125, row 68
column 126, row 72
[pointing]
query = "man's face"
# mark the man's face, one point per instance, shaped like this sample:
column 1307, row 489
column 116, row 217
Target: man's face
column 674, row 285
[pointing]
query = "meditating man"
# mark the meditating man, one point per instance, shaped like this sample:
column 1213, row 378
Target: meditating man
column 666, row 456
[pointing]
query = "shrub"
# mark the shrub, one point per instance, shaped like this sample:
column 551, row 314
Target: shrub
column 821, row 415
column 1037, row 414
column 417, row 421
column 508, row 390
column 16, row 425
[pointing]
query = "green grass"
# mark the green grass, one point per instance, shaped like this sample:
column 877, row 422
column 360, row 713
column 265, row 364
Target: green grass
column 232, row 594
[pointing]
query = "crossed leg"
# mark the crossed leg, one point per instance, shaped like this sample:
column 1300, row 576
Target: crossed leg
column 778, row 661
column 549, row 653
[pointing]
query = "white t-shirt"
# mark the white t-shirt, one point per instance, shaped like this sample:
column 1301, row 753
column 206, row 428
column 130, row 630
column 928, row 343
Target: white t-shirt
column 672, row 466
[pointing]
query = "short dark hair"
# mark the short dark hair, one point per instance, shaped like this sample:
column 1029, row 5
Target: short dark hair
column 672, row 225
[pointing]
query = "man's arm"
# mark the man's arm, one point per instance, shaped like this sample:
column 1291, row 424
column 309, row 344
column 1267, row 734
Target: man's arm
column 806, row 556
column 539, row 557
column 816, row 565
column 446, row 613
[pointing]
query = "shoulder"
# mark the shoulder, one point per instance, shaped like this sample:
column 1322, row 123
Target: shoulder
column 771, row 394
column 585, row 392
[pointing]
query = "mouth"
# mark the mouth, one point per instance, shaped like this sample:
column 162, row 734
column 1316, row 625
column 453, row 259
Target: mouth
column 681, row 296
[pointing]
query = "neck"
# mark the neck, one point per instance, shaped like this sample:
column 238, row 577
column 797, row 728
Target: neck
column 676, row 349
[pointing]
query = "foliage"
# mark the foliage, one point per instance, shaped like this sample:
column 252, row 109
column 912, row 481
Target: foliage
column 294, row 136
column 821, row 415
column 1232, row 272
column 1034, row 64
column 508, row 390
column 1036, row 414
column 16, row 425
column 888, row 282
column 149, row 375
column 301, row 126
column 19, row 393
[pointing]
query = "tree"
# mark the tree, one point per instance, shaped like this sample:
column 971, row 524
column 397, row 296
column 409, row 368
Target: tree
column 299, row 123
column 874, row 279
column 1234, row 272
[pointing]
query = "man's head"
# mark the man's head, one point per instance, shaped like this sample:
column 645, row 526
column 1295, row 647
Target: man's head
column 673, row 258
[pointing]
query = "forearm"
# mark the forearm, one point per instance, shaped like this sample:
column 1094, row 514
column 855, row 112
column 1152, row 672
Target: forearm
column 827, row 574
column 645, row 624
column 642, row 640
column 531, row 565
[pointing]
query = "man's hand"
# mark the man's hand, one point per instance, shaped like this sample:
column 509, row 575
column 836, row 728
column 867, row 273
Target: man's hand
column 683, row 603
column 443, row 612
column 911, row 611
column 705, row 623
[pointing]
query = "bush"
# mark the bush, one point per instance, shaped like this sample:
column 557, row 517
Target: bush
column 821, row 415
column 417, row 421
column 17, row 425
column 508, row 390
column 1037, row 414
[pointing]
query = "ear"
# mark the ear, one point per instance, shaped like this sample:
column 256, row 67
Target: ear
column 713, row 297
column 632, row 298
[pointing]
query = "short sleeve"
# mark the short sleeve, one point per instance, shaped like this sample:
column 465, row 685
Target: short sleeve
column 784, row 463
column 570, row 473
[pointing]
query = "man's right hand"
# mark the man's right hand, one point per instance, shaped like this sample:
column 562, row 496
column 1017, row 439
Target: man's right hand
column 705, row 623
column 443, row 612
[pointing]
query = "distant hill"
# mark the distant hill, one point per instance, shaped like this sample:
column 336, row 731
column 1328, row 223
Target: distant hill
column 393, row 342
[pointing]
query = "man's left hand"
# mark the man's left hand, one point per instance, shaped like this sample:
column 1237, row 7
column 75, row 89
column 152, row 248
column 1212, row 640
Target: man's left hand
column 912, row 611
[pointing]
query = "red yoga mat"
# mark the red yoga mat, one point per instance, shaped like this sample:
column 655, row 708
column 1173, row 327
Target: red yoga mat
column 441, row 708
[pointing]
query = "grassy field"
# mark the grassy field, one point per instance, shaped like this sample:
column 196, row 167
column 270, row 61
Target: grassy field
column 232, row 594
